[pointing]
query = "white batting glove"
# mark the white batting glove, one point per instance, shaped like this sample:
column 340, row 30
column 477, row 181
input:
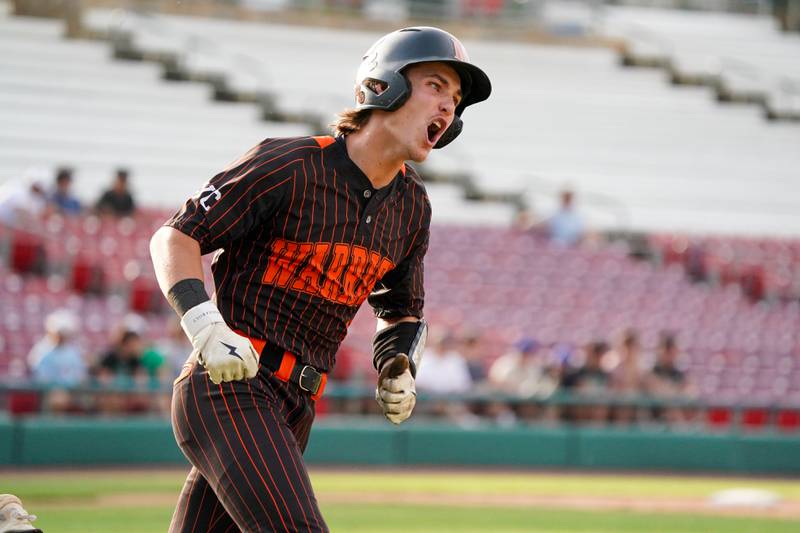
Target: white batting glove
column 224, row 354
column 396, row 392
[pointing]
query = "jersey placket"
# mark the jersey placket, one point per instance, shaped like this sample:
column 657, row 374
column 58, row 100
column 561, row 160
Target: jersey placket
column 370, row 204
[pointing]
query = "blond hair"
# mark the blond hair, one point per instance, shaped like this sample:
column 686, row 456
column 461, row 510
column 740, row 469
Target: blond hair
column 350, row 121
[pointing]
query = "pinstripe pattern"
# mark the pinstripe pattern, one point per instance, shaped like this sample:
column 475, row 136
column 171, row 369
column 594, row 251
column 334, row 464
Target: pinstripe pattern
column 297, row 207
column 303, row 240
column 254, row 475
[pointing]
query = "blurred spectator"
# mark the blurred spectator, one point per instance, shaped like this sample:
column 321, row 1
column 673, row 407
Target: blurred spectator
column 527, row 372
column 121, row 367
column 475, row 355
column 118, row 200
column 566, row 226
column 668, row 381
column 154, row 364
column 696, row 262
column 446, row 370
column 162, row 360
column 627, row 376
column 593, row 380
column 446, row 373
column 526, row 220
column 174, row 349
column 56, row 359
column 61, row 198
column 524, row 371
column 23, row 201
column 122, row 362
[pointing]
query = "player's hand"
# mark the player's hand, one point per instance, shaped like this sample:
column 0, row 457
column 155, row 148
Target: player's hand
column 226, row 355
column 396, row 392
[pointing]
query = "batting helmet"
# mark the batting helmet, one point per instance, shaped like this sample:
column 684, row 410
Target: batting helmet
column 383, row 65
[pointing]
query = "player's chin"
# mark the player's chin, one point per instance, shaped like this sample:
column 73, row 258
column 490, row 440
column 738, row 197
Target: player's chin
column 420, row 153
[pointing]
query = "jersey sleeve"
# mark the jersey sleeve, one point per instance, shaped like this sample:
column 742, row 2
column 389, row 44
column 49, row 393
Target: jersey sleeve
column 400, row 292
column 234, row 201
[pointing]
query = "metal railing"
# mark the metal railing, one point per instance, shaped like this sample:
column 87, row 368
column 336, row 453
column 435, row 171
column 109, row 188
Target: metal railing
column 152, row 398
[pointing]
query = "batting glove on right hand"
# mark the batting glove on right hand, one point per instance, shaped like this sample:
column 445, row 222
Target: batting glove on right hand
column 396, row 392
column 224, row 354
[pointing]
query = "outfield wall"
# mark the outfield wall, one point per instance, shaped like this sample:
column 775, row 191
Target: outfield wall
column 89, row 441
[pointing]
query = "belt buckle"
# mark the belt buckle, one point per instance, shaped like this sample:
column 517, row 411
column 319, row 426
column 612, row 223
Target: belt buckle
column 314, row 376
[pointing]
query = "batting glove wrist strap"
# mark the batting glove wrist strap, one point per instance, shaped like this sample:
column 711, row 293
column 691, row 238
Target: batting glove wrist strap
column 199, row 317
column 400, row 338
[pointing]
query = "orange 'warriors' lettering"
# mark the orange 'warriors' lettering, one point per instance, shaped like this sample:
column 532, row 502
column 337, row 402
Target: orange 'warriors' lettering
column 358, row 258
column 310, row 276
column 339, row 273
column 332, row 282
column 283, row 265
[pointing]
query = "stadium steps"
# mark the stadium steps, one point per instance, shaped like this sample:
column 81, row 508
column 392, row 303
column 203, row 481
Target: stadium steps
column 647, row 157
column 742, row 59
column 67, row 102
column 226, row 62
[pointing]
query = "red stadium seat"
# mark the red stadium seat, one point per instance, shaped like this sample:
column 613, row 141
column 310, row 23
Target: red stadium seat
column 88, row 277
column 719, row 417
column 23, row 403
column 755, row 419
column 145, row 296
column 788, row 420
column 27, row 253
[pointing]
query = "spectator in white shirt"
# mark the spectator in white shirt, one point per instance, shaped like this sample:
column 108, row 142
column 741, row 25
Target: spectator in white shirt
column 23, row 201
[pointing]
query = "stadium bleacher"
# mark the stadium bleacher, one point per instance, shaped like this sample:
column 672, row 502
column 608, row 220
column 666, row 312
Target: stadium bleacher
column 557, row 115
column 69, row 102
column 744, row 57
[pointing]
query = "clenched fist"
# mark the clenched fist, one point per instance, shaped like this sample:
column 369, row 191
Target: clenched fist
column 226, row 355
column 396, row 392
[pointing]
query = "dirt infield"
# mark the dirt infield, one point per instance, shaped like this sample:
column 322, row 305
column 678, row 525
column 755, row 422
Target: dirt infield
column 788, row 509
column 585, row 503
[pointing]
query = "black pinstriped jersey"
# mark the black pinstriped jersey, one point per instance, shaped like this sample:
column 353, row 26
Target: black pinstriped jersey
column 303, row 238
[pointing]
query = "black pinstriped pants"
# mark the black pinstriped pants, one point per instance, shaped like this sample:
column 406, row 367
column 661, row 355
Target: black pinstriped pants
column 245, row 441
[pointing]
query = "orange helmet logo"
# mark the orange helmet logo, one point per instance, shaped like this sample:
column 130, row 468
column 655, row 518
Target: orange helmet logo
column 459, row 51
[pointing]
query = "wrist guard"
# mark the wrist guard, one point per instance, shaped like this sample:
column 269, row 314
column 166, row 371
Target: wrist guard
column 403, row 337
column 186, row 294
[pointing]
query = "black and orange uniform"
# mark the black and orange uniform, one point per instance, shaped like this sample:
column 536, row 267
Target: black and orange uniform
column 302, row 239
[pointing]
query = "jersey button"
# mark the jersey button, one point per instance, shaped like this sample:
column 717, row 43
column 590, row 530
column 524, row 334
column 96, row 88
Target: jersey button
column 367, row 193
column 369, row 219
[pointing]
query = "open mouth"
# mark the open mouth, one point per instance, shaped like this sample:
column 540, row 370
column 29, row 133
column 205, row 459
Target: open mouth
column 435, row 130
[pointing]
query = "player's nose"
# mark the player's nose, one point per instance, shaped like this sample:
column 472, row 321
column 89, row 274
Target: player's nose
column 447, row 106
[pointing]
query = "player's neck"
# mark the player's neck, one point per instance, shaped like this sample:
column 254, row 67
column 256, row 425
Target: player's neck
column 378, row 160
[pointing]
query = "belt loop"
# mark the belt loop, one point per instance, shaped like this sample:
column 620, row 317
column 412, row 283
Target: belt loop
column 321, row 388
column 287, row 364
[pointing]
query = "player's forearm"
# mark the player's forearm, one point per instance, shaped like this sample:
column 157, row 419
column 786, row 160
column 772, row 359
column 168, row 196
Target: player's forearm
column 176, row 257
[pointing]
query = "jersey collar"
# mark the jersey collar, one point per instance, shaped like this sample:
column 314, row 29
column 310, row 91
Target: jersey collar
column 355, row 177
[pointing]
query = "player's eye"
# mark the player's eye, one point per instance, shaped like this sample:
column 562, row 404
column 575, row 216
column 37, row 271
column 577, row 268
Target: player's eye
column 435, row 85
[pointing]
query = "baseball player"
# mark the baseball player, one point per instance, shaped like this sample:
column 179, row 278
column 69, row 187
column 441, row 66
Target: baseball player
column 305, row 230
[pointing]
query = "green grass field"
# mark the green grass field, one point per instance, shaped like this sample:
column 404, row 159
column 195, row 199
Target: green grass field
column 141, row 501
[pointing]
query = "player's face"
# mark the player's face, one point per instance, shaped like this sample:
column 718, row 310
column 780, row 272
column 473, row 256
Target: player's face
column 428, row 112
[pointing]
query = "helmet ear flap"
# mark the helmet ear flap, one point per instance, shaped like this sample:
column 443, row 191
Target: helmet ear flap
column 385, row 90
column 405, row 96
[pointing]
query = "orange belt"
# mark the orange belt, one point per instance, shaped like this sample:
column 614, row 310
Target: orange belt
column 286, row 368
